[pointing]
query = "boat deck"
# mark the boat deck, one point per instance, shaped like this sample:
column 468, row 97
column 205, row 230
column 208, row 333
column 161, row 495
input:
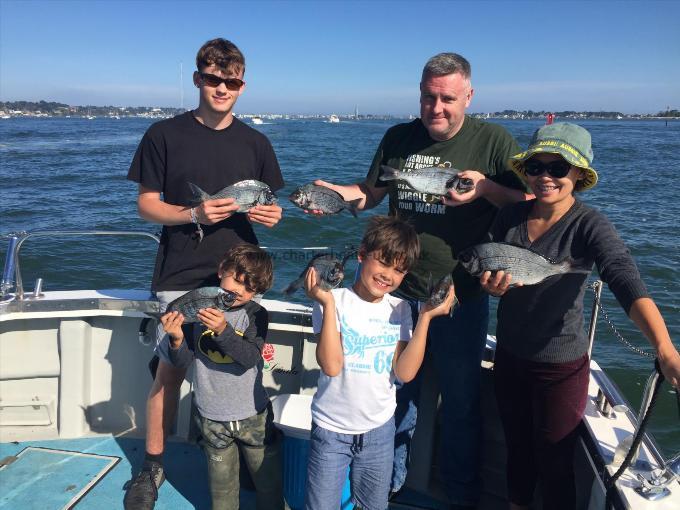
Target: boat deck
column 71, row 482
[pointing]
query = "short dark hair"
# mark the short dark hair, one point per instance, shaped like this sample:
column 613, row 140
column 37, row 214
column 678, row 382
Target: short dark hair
column 223, row 54
column 395, row 239
column 251, row 262
column 448, row 63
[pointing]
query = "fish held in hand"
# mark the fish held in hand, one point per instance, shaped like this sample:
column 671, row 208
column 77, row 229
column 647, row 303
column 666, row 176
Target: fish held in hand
column 313, row 197
column 439, row 291
column 204, row 297
column 246, row 194
column 433, row 180
column 526, row 266
column 330, row 271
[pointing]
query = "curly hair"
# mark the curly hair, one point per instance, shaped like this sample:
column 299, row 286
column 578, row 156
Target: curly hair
column 251, row 262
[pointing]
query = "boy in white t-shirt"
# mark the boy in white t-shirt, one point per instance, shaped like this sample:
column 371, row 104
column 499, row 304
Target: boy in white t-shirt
column 364, row 345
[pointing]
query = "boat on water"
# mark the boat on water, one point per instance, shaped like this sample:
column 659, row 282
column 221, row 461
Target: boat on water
column 256, row 120
column 74, row 382
column 333, row 119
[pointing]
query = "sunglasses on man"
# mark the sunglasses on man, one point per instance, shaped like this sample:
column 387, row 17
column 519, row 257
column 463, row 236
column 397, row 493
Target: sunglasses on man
column 214, row 81
column 557, row 169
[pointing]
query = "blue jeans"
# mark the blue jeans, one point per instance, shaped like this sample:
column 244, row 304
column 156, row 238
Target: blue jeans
column 369, row 457
column 456, row 346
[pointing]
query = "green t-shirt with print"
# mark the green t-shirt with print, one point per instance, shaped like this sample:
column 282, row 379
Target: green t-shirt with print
column 444, row 231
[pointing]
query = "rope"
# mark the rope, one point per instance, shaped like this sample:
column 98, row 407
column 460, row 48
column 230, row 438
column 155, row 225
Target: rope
column 610, row 484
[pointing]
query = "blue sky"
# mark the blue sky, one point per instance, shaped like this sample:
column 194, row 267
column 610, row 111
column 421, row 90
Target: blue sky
column 327, row 57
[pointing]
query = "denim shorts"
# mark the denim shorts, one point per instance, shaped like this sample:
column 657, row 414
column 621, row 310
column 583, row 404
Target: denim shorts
column 369, row 457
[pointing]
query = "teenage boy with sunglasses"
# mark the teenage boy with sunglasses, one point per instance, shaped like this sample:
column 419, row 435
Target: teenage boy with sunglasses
column 212, row 149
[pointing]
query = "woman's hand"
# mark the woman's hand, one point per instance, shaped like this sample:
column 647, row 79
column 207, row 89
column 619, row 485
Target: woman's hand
column 669, row 361
column 498, row 283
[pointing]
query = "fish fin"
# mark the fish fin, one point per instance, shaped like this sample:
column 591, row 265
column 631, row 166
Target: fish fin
column 352, row 251
column 199, row 196
column 389, row 173
column 295, row 285
column 352, row 206
column 317, row 256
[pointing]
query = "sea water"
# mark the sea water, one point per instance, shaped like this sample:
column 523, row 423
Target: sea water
column 70, row 174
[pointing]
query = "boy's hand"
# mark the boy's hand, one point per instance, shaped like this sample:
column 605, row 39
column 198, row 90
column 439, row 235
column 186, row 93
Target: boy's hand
column 215, row 210
column 497, row 284
column 213, row 319
column 172, row 325
column 323, row 297
column 267, row 215
column 443, row 308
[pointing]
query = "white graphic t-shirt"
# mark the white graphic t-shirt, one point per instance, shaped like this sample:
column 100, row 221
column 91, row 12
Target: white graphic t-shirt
column 362, row 396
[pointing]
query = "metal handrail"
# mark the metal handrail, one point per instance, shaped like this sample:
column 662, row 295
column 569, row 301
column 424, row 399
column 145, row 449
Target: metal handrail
column 17, row 240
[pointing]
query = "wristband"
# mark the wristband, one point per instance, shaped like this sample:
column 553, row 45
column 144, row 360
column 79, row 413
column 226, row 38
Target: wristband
column 194, row 220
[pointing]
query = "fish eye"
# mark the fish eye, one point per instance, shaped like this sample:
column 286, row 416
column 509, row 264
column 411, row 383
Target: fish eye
column 465, row 257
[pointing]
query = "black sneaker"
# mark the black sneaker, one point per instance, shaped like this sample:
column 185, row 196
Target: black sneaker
column 142, row 490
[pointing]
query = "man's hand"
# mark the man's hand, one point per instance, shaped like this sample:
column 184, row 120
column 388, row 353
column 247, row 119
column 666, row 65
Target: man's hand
column 496, row 284
column 453, row 198
column 328, row 185
column 323, row 297
column 216, row 210
column 267, row 215
column 172, row 325
column 213, row 319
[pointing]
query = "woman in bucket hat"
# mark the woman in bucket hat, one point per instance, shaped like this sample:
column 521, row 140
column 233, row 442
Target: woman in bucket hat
column 542, row 362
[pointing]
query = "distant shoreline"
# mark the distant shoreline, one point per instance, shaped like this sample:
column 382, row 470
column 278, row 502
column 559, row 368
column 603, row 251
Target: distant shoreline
column 45, row 109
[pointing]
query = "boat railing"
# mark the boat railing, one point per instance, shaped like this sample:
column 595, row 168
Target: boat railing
column 11, row 275
column 610, row 400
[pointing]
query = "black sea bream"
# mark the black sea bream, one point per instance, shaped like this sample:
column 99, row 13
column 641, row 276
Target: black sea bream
column 247, row 194
column 525, row 266
column 433, row 180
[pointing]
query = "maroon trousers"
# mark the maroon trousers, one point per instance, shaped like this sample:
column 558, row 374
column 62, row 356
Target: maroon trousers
column 541, row 406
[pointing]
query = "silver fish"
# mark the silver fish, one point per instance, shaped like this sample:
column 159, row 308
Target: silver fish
column 204, row 297
column 330, row 272
column 439, row 291
column 525, row 266
column 247, row 194
column 433, row 180
column 321, row 198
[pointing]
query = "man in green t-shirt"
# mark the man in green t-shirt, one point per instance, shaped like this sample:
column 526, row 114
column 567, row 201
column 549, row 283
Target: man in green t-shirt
column 444, row 137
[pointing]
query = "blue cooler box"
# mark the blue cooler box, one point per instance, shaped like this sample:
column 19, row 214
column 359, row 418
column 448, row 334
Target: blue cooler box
column 293, row 416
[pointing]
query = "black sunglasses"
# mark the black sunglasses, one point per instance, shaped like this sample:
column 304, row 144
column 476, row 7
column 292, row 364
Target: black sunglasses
column 214, row 81
column 557, row 169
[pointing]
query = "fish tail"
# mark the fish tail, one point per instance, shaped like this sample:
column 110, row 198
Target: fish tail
column 353, row 206
column 199, row 195
column 389, row 173
column 293, row 287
